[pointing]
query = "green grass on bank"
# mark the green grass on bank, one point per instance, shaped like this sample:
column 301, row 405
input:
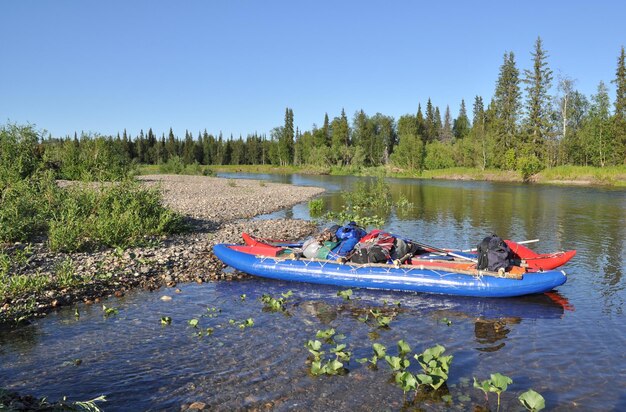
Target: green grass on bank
column 612, row 176
column 582, row 175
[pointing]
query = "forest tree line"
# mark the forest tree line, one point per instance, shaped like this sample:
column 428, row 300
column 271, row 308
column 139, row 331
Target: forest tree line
column 522, row 127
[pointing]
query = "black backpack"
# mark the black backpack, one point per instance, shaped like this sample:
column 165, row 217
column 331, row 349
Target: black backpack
column 493, row 254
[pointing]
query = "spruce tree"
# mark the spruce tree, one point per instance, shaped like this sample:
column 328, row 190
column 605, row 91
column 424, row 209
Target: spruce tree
column 461, row 126
column 620, row 83
column 620, row 110
column 430, row 128
column 420, row 123
column 478, row 132
column 438, row 124
column 446, row 129
column 285, row 140
column 340, row 136
column 506, row 102
column 538, row 82
column 326, row 130
column 171, row 146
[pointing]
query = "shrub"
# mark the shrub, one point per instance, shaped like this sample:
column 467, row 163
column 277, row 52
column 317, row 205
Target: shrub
column 118, row 215
column 528, row 166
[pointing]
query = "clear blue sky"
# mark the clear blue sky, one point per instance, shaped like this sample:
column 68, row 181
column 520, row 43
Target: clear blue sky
column 234, row 66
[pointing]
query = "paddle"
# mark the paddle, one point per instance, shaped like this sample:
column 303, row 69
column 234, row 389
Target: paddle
column 523, row 242
column 443, row 251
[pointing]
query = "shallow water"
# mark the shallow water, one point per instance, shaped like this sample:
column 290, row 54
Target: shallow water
column 568, row 346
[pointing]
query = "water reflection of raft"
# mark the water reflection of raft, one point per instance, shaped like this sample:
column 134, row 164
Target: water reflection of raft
column 262, row 261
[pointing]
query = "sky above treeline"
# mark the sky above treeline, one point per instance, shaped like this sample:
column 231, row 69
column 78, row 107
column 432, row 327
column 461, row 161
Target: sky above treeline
column 234, row 66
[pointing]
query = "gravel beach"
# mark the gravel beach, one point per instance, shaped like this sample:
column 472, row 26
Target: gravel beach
column 217, row 209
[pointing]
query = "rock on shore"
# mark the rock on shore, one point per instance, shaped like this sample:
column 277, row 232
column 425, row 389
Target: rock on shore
column 218, row 211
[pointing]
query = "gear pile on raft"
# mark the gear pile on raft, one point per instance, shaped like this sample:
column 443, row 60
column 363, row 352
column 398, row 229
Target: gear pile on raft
column 348, row 256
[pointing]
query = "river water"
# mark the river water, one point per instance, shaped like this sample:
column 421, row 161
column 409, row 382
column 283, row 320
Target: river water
column 568, row 345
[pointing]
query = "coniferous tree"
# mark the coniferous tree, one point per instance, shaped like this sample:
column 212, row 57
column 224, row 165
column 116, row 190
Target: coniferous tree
column 218, row 157
column 430, row 123
column 538, row 82
column 237, row 154
column 326, row 131
column 150, row 149
column 297, row 148
column 620, row 109
column 253, row 150
column 188, row 149
column 461, row 126
column 620, row 83
column 140, row 147
column 420, row 122
column 159, row 152
column 285, row 140
column 446, row 135
column 506, row 103
column 438, row 124
column 340, row 136
column 227, row 151
column 363, row 136
column 170, row 146
column 478, row 131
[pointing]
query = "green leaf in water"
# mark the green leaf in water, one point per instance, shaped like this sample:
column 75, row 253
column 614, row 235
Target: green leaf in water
column 532, row 400
column 379, row 350
column 345, row 294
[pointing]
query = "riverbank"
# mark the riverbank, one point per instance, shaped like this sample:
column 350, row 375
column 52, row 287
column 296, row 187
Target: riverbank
column 217, row 210
column 563, row 175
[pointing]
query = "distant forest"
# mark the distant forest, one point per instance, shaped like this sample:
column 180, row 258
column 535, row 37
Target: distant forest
column 522, row 127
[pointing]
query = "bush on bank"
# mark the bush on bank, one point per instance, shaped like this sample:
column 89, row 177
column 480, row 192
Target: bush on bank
column 80, row 217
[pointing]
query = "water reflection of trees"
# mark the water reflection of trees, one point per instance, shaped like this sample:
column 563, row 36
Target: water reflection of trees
column 590, row 220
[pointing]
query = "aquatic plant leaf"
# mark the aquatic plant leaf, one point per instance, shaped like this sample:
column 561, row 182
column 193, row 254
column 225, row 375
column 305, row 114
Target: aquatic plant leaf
column 379, row 350
column 483, row 386
column 397, row 363
column 314, row 345
column 499, row 382
column 166, row 320
column 403, row 348
column 345, row 294
column 316, row 368
column 532, row 400
column 407, row 381
column 333, row 367
column 338, row 348
column 325, row 334
column 424, row 379
column 193, row 323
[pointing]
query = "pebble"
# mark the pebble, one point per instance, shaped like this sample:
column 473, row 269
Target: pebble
column 218, row 213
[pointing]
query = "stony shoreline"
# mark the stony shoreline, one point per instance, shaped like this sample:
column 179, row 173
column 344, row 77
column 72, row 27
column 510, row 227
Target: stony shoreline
column 217, row 209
